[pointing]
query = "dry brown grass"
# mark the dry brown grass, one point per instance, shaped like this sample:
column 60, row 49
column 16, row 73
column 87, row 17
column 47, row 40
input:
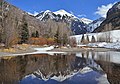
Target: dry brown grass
column 8, row 50
column 15, row 48
column 7, row 57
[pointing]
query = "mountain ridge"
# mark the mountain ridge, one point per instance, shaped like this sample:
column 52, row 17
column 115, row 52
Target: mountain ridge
column 77, row 25
column 63, row 13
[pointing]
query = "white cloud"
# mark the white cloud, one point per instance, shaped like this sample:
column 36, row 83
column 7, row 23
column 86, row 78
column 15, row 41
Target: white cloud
column 34, row 13
column 102, row 11
column 82, row 15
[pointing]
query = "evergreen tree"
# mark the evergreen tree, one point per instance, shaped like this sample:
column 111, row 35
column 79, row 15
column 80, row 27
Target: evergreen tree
column 33, row 34
column 83, row 39
column 87, row 40
column 37, row 34
column 25, row 33
column 93, row 39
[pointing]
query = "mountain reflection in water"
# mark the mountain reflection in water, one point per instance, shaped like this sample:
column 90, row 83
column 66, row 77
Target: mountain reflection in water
column 79, row 68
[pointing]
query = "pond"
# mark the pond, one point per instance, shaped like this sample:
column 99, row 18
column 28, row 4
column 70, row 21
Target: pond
column 86, row 67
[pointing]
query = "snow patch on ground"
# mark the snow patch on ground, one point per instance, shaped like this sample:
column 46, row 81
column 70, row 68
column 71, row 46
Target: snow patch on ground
column 113, row 36
column 45, row 50
column 115, row 45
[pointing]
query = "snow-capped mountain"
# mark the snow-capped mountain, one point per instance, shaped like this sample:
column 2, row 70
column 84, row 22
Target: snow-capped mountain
column 93, row 25
column 86, row 21
column 64, row 13
column 60, row 15
column 45, row 15
column 76, row 25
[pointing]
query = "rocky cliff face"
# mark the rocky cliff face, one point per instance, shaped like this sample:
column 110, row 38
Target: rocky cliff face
column 112, row 22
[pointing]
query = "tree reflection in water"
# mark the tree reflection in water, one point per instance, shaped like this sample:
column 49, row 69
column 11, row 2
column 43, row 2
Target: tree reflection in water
column 84, row 67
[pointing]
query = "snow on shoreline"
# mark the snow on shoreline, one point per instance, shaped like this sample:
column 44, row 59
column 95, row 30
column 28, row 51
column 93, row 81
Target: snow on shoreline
column 115, row 45
column 44, row 50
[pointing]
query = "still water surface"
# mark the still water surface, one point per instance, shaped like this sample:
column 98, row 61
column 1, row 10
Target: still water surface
column 86, row 67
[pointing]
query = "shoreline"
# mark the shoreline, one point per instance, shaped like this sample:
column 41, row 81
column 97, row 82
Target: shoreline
column 31, row 50
column 82, row 49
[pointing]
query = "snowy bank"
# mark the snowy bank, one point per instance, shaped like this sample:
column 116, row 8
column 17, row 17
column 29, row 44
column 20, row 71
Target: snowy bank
column 44, row 50
column 110, row 36
column 115, row 45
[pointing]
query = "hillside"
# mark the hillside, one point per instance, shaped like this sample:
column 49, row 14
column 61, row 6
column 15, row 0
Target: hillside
column 14, row 19
column 93, row 25
column 112, row 22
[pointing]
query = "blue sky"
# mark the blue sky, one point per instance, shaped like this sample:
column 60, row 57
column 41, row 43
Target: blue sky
column 91, row 9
